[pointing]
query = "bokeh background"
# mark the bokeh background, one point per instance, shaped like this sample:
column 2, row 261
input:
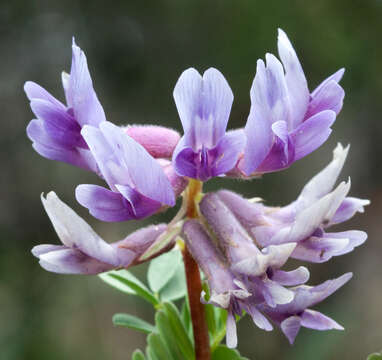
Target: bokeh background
column 136, row 50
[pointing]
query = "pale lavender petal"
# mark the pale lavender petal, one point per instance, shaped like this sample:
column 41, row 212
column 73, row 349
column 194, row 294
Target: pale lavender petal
column 204, row 105
column 111, row 164
column 74, row 232
column 269, row 103
column 58, row 123
column 349, row 207
column 35, row 91
column 291, row 278
column 290, row 327
column 81, row 95
column 276, row 294
column 295, row 79
column 329, row 97
column 227, row 151
column 184, row 160
column 231, row 335
column 274, row 256
column 104, row 204
column 312, row 133
column 45, row 248
column 311, row 218
column 72, row 261
column 355, row 238
column 337, row 76
column 259, row 319
column 320, row 249
column 322, row 183
column 141, row 206
column 52, row 150
column 187, row 95
column 151, row 181
column 309, row 296
column 315, row 320
column 280, row 129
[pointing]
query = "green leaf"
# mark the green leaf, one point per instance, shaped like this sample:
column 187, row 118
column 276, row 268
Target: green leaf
column 170, row 339
column 162, row 269
column 157, row 347
column 375, row 356
column 176, row 288
column 186, row 317
column 133, row 322
column 138, row 355
column 126, row 282
column 211, row 319
column 183, row 340
column 222, row 352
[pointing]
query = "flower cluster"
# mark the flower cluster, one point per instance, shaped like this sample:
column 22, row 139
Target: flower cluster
column 241, row 245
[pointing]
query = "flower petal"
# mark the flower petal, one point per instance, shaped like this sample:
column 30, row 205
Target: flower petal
column 74, row 232
column 312, row 133
column 329, row 97
column 104, row 204
column 295, row 79
column 315, row 320
column 290, row 327
column 72, row 261
column 80, row 94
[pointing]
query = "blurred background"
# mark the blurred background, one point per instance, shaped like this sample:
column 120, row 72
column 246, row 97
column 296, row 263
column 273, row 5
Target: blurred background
column 136, row 50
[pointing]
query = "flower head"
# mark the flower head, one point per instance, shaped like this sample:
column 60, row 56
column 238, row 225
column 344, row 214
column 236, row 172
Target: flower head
column 204, row 104
column 286, row 122
column 83, row 251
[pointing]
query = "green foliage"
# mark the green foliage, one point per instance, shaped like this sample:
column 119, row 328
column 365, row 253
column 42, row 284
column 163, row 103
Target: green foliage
column 172, row 336
column 162, row 269
column 126, row 282
column 375, row 356
column 133, row 322
column 166, row 276
column 138, row 355
column 224, row 353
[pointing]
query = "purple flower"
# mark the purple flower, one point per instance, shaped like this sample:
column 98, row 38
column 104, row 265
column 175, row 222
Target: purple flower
column 204, row 105
column 138, row 184
column 258, row 269
column 304, row 221
column 56, row 131
column 285, row 122
column 226, row 291
column 82, row 250
column 317, row 207
column 290, row 317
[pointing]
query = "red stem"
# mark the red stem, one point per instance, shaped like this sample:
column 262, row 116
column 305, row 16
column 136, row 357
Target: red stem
column 198, row 317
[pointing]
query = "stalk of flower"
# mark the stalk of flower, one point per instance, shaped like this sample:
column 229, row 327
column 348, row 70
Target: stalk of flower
column 286, row 122
column 56, row 133
column 83, row 251
column 204, row 104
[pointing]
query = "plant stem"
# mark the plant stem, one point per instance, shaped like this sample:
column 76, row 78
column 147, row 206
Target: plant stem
column 194, row 284
column 198, row 317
